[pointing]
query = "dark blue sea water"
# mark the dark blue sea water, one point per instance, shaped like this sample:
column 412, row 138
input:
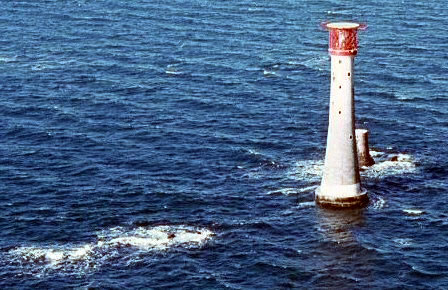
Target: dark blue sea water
column 178, row 144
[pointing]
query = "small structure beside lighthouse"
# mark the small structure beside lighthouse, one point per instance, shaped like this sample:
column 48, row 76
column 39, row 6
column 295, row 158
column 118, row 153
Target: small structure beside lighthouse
column 341, row 186
column 362, row 146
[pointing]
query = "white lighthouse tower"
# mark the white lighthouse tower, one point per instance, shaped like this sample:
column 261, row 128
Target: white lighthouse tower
column 341, row 185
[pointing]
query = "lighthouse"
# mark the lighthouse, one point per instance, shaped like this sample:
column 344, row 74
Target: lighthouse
column 341, row 185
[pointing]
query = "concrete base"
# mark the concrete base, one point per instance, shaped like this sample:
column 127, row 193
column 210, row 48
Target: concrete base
column 341, row 202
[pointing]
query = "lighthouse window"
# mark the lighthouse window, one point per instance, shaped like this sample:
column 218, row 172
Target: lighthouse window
column 340, row 86
column 339, row 112
column 340, row 61
column 348, row 74
column 351, row 137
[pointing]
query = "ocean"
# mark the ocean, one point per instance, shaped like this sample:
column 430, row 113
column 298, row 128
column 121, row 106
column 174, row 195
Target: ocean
column 178, row 144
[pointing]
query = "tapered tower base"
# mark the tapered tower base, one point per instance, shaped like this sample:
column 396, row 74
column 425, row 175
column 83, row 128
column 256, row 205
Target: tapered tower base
column 350, row 199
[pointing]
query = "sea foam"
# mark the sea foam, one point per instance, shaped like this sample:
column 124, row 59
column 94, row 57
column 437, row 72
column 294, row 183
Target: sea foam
column 69, row 258
column 311, row 170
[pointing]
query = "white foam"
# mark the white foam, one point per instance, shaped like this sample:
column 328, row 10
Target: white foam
column 267, row 72
column 311, row 170
column 413, row 211
column 254, row 152
column 308, row 188
column 288, row 191
column 375, row 153
column 173, row 70
column 285, row 191
column 378, row 202
column 161, row 237
column 139, row 242
column 306, row 204
column 39, row 255
column 81, row 257
column 403, row 242
column 80, row 253
column 54, row 256
column 404, row 164
column 307, row 170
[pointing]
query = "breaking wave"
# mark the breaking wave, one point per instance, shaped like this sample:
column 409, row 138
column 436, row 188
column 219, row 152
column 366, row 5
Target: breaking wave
column 115, row 243
column 386, row 165
column 394, row 165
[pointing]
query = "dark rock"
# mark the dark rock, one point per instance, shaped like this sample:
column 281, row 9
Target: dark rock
column 394, row 158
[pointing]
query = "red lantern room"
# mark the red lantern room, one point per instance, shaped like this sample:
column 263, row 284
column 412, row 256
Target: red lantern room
column 343, row 37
